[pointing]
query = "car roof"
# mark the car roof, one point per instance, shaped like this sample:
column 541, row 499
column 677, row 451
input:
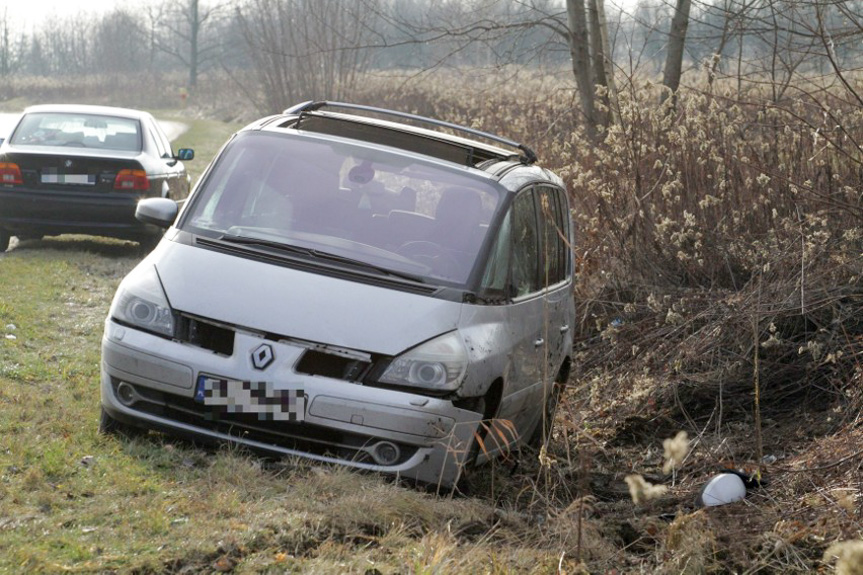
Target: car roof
column 88, row 109
column 398, row 129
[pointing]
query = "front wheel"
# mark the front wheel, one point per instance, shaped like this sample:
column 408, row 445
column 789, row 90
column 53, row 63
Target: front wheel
column 491, row 432
column 110, row 426
column 542, row 432
column 148, row 243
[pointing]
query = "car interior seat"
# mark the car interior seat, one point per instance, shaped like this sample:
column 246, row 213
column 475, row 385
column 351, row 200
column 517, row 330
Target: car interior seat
column 457, row 220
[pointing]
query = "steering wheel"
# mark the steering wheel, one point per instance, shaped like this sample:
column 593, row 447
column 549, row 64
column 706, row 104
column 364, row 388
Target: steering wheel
column 432, row 255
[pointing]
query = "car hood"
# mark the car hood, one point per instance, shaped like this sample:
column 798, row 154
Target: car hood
column 298, row 304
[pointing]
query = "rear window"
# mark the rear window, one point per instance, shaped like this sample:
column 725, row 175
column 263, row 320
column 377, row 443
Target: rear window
column 78, row 130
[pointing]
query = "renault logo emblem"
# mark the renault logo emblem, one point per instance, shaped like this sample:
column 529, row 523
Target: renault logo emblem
column 262, row 356
column 68, row 163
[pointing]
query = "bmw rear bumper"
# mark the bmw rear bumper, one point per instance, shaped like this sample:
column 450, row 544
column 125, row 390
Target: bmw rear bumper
column 71, row 212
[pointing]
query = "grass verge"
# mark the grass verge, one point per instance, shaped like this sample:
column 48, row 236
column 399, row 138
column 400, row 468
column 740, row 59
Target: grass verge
column 74, row 501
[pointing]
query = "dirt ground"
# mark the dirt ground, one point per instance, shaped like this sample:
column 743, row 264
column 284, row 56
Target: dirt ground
column 809, row 496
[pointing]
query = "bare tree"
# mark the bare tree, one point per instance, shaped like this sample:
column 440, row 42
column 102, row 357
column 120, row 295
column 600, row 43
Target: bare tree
column 676, row 42
column 306, row 49
column 582, row 64
column 61, row 46
column 155, row 14
column 605, row 55
column 190, row 34
column 6, row 44
column 119, row 43
column 579, row 26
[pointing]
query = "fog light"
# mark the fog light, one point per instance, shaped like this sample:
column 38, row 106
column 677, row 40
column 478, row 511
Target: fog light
column 386, row 453
column 126, row 394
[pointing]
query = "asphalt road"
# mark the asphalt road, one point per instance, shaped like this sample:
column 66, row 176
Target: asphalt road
column 172, row 129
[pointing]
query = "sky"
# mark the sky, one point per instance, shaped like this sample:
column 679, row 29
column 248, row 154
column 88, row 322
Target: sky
column 30, row 11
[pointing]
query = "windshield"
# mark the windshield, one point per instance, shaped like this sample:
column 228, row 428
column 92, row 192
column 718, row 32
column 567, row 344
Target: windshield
column 366, row 205
column 78, row 130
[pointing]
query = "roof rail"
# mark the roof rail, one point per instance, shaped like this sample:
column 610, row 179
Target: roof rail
column 529, row 156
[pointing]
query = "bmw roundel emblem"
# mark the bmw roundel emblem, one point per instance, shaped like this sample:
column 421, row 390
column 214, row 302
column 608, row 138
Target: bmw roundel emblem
column 262, row 356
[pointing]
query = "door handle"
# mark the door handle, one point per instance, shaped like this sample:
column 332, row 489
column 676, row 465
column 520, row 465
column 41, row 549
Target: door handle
column 564, row 328
column 538, row 342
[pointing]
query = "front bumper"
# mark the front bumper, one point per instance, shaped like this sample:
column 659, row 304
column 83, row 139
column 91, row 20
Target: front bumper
column 344, row 422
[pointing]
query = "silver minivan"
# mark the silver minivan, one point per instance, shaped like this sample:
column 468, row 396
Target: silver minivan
column 352, row 285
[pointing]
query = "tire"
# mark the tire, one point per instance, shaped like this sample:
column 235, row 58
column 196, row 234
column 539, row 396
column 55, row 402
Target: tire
column 148, row 243
column 4, row 240
column 543, row 429
column 488, row 406
column 110, row 426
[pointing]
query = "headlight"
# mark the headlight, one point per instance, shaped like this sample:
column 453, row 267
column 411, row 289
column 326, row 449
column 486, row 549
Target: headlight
column 438, row 364
column 140, row 302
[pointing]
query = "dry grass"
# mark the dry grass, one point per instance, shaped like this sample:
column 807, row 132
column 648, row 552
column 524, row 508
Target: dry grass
column 714, row 238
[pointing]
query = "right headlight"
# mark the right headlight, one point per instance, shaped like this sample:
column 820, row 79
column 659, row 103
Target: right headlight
column 141, row 302
column 438, row 364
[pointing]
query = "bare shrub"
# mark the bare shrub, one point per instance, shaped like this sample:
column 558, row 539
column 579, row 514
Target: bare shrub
column 692, row 224
column 691, row 545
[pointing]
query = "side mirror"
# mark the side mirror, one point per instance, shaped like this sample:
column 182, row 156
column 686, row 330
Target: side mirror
column 185, row 154
column 157, row 211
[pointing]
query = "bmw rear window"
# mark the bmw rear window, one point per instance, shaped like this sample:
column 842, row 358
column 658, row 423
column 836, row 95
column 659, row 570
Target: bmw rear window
column 78, row 130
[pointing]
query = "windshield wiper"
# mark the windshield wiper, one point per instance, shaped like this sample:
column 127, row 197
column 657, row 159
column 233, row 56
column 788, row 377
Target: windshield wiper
column 249, row 241
column 365, row 265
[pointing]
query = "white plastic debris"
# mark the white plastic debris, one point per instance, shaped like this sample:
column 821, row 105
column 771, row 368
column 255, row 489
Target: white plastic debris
column 722, row 489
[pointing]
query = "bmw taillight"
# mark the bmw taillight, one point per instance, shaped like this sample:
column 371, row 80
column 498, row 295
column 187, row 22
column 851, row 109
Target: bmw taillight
column 10, row 173
column 131, row 180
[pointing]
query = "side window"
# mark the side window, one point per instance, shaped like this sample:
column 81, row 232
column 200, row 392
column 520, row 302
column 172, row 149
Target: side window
column 160, row 148
column 515, row 257
column 162, row 145
column 497, row 269
column 525, row 245
column 566, row 228
column 555, row 234
column 169, row 152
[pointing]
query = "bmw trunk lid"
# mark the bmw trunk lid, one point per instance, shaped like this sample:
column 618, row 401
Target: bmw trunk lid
column 82, row 171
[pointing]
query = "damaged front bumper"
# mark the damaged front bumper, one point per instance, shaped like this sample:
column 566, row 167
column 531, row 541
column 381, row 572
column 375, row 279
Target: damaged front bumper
column 151, row 382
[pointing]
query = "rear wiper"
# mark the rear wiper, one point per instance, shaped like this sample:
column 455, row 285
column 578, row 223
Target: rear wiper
column 248, row 241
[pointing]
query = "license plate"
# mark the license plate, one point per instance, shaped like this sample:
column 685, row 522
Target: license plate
column 260, row 397
column 80, row 179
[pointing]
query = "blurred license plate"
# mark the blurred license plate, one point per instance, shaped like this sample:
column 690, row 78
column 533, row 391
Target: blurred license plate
column 260, row 397
column 82, row 179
